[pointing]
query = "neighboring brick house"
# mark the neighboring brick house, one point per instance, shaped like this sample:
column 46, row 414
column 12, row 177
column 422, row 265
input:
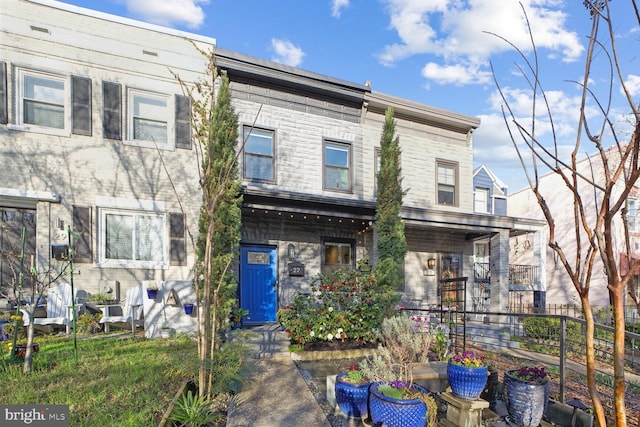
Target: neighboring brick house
column 84, row 95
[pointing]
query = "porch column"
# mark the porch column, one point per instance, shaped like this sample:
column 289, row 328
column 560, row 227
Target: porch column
column 499, row 264
column 541, row 241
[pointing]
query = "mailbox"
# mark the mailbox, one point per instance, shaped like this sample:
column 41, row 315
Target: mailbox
column 60, row 252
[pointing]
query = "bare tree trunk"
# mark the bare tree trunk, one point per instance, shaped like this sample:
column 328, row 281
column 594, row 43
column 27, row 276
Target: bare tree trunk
column 28, row 357
column 619, row 356
column 591, row 357
column 205, row 339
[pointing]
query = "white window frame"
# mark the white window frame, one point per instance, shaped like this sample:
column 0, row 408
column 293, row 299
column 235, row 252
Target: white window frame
column 21, row 75
column 132, row 262
column 348, row 168
column 168, row 119
column 249, row 155
column 480, row 205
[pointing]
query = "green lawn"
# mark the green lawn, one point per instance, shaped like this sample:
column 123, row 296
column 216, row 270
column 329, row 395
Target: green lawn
column 116, row 381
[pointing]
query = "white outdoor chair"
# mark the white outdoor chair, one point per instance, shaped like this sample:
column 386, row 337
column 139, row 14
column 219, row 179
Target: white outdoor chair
column 59, row 304
column 129, row 314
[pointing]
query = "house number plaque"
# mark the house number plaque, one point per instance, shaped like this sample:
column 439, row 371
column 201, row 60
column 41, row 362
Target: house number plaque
column 296, row 269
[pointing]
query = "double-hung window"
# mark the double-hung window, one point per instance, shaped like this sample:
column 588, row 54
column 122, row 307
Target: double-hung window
column 258, row 154
column 447, row 176
column 148, row 117
column 337, row 163
column 49, row 103
column 134, row 238
column 481, row 200
column 42, row 99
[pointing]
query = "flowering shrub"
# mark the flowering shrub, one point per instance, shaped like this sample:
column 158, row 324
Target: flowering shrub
column 534, row 374
column 468, row 359
column 341, row 305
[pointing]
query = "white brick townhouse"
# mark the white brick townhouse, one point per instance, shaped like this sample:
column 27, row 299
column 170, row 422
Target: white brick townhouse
column 95, row 134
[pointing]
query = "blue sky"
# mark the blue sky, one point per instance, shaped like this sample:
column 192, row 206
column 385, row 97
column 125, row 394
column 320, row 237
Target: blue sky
column 436, row 52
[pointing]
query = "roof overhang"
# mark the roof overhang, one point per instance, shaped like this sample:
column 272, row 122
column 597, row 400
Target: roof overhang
column 308, row 204
column 253, row 70
column 421, row 113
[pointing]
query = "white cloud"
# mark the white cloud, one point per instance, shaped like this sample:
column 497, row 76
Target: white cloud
column 456, row 32
column 169, row 12
column 457, row 74
column 564, row 109
column 633, row 85
column 286, row 52
column 337, row 6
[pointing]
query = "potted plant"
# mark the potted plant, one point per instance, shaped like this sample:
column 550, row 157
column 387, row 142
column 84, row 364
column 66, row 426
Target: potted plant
column 152, row 292
column 352, row 391
column 101, row 298
column 394, row 399
column 166, row 331
column 526, row 393
column 237, row 316
column 467, row 373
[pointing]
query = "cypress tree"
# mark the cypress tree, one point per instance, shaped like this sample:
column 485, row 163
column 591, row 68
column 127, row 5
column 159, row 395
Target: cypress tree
column 391, row 241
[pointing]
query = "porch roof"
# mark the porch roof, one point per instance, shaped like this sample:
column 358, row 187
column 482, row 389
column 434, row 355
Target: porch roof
column 309, row 204
column 474, row 224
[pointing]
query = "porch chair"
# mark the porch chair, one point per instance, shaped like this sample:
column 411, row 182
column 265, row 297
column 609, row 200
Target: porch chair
column 131, row 313
column 59, row 304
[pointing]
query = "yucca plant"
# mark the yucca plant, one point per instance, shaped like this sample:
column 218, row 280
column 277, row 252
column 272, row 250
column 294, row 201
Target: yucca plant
column 192, row 410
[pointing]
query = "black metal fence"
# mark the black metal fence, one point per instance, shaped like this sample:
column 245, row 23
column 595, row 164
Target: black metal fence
column 557, row 341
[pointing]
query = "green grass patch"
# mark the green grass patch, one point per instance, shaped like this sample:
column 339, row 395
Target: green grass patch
column 115, row 382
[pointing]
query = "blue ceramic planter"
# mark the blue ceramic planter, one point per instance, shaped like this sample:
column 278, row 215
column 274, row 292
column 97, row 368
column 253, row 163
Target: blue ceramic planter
column 3, row 336
column 188, row 309
column 467, row 383
column 351, row 398
column 525, row 401
column 396, row 412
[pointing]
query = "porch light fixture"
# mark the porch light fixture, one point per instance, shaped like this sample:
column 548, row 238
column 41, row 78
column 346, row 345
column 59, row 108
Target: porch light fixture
column 429, row 271
column 291, row 252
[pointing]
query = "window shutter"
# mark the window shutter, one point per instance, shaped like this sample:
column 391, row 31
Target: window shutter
column 177, row 252
column 4, row 118
column 183, row 122
column 82, row 229
column 111, row 110
column 81, row 105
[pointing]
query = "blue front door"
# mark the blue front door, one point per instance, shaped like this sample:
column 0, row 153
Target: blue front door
column 258, row 283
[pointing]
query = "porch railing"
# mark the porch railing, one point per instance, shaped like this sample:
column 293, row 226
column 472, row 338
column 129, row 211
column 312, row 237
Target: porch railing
column 519, row 274
column 523, row 275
